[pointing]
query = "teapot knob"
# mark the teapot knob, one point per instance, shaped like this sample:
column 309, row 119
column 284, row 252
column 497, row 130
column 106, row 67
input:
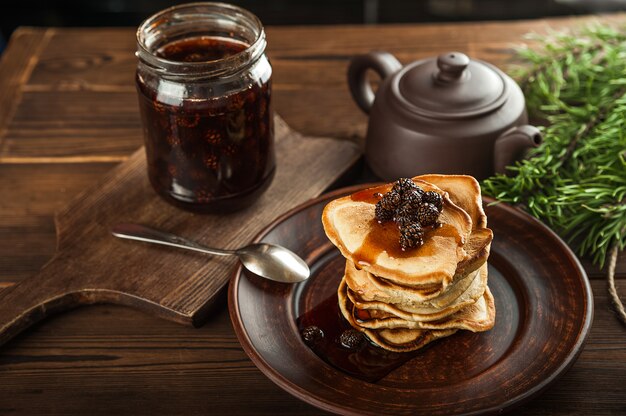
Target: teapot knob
column 451, row 66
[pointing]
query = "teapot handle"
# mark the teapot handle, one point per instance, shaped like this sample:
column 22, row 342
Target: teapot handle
column 383, row 63
column 513, row 144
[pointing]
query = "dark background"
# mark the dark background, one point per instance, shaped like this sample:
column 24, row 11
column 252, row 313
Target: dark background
column 14, row 13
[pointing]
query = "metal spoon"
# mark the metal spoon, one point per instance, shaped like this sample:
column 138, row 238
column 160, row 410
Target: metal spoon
column 266, row 260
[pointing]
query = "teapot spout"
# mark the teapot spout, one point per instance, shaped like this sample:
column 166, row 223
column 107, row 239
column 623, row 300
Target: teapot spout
column 513, row 144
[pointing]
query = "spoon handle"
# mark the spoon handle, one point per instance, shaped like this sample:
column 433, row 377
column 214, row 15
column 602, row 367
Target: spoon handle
column 150, row 235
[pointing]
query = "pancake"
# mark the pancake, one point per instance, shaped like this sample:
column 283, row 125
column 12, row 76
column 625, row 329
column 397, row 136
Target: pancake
column 374, row 288
column 398, row 340
column 446, row 299
column 434, row 309
column 406, row 340
column 404, row 300
column 396, row 315
column 350, row 225
column 477, row 317
column 464, row 191
column 478, row 248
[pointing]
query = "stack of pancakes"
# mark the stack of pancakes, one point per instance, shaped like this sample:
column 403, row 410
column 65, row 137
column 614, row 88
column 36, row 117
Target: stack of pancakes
column 402, row 300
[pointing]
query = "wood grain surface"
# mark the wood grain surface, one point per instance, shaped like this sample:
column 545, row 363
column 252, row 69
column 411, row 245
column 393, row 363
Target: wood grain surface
column 68, row 115
column 91, row 266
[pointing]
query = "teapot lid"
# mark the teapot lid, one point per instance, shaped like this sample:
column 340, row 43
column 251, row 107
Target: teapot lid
column 450, row 87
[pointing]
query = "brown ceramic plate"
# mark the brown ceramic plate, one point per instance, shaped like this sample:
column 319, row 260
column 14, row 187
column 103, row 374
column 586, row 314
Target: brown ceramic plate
column 544, row 312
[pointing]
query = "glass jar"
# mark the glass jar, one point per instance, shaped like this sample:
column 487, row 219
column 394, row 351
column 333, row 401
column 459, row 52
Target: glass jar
column 204, row 86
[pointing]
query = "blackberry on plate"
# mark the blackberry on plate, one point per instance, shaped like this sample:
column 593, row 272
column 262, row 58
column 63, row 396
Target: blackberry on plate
column 403, row 185
column 405, row 215
column 413, row 196
column 427, row 214
column 434, row 198
column 351, row 339
column 390, row 201
column 411, row 209
column 411, row 236
column 312, row 335
column 381, row 214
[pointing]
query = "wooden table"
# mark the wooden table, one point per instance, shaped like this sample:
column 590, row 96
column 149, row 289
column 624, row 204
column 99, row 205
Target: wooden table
column 68, row 113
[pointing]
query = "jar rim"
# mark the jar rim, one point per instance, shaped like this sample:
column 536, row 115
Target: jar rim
column 217, row 67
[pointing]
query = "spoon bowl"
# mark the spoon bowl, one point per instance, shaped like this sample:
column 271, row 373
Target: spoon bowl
column 266, row 260
column 274, row 262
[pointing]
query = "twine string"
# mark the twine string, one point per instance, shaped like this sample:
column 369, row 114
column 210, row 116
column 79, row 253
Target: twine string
column 615, row 300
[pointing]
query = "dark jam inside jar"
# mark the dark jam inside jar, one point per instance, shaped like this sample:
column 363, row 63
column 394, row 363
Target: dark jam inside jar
column 209, row 146
column 200, row 49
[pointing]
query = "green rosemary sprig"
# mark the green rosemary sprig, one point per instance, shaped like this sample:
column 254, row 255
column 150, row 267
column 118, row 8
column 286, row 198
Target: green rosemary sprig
column 575, row 181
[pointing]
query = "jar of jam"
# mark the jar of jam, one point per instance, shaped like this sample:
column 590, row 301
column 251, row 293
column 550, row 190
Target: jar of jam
column 204, row 86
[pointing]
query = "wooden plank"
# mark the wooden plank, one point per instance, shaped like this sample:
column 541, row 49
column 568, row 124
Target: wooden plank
column 42, row 189
column 72, row 124
column 31, row 197
column 88, row 58
column 16, row 64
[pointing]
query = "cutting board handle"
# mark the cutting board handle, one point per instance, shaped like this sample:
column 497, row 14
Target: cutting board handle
column 35, row 298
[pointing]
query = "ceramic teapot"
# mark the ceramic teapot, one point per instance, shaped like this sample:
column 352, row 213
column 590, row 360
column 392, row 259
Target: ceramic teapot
column 448, row 114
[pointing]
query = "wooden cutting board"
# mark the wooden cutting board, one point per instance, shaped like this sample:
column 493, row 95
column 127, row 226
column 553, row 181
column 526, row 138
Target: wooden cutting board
column 91, row 266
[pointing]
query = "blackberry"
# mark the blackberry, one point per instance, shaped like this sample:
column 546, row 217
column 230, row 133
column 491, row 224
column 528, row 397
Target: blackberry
column 312, row 335
column 427, row 214
column 390, row 201
column 413, row 196
column 434, row 198
column 405, row 215
column 411, row 236
column 351, row 339
column 403, row 185
column 381, row 213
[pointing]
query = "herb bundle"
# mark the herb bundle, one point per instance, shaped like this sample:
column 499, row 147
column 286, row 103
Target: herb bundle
column 576, row 180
